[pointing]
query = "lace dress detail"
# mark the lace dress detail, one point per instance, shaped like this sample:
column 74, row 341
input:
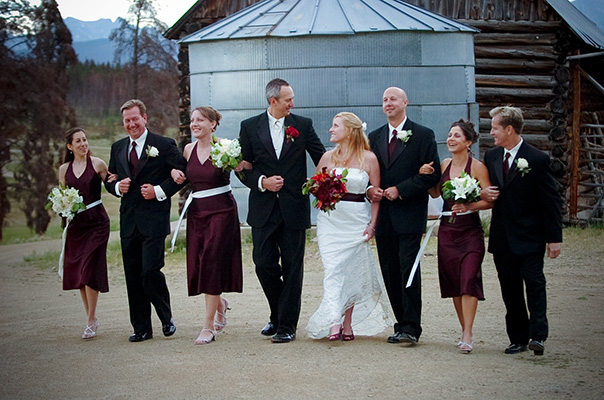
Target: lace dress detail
column 351, row 270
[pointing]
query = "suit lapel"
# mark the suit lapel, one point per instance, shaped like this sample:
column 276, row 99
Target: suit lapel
column 513, row 170
column 289, row 121
column 498, row 166
column 264, row 134
column 382, row 145
column 122, row 155
column 144, row 158
column 399, row 146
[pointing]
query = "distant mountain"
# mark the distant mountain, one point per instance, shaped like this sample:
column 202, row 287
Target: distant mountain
column 101, row 51
column 83, row 31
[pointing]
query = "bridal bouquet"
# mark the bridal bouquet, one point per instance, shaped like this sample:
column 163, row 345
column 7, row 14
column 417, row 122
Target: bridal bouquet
column 65, row 201
column 225, row 153
column 464, row 189
column 327, row 187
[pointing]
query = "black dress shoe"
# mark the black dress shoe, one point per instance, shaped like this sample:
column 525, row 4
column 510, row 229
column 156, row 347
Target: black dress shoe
column 515, row 348
column 402, row 337
column 283, row 337
column 139, row 337
column 537, row 346
column 269, row 330
column 169, row 329
column 395, row 338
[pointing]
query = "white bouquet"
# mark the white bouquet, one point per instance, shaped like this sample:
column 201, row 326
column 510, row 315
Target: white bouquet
column 225, row 153
column 65, row 201
column 464, row 189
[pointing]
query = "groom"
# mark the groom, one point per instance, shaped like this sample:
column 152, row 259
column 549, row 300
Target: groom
column 526, row 222
column 276, row 143
column 402, row 147
column 142, row 162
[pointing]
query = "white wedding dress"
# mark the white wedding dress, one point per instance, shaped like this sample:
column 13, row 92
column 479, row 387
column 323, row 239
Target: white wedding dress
column 351, row 271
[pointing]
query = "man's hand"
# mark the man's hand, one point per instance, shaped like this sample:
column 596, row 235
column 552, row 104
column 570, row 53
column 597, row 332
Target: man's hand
column 148, row 191
column 124, row 185
column 273, row 183
column 391, row 193
column 553, row 250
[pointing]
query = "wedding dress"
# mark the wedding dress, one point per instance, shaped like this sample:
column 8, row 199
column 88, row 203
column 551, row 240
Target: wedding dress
column 351, row 271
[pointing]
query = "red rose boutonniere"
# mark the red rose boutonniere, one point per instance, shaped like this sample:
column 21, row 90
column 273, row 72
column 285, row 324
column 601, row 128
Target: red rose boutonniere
column 291, row 133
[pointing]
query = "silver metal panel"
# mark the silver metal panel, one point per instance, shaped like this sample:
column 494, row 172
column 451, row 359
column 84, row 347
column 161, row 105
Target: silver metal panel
column 283, row 18
column 447, row 48
column 232, row 55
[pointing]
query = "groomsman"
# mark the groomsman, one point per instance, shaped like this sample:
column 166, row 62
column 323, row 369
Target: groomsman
column 276, row 143
column 526, row 223
column 402, row 147
column 142, row 162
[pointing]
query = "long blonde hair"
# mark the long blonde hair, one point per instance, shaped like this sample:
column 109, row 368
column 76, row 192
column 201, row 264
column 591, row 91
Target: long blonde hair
column 357, row 144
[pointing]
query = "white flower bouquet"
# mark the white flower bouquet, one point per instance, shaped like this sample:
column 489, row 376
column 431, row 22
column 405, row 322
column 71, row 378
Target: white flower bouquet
column 225, row 153
column 65, row 201
column 463, row 190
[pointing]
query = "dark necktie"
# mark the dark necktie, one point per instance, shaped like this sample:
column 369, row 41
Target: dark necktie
column 392, row 144
column 506, row 164
column 133, row 159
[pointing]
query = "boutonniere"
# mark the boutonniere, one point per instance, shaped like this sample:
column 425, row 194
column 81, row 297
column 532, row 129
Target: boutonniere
column 404, row 135
column 291, row 133
column 523, row 166
column 152, row 151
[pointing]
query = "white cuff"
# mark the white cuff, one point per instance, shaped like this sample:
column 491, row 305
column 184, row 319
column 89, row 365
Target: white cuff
column 117, row 189
column 160, row 195
column 260, row 183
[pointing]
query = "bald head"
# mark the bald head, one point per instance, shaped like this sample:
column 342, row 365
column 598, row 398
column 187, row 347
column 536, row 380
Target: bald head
column 394, row 105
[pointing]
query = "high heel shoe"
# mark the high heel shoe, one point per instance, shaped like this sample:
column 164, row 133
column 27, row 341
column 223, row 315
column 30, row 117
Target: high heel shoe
column 90, row 331
column 345, row 337
column 336, row 336
column 465, row 348
column 219, row 326
column 205, row 340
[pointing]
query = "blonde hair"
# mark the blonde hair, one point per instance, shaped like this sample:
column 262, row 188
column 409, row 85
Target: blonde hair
column 509, row 116
column 357, row 143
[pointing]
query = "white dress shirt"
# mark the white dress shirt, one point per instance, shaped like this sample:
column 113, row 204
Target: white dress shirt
column 513, row 152
column 276, row 130
column 398, row 129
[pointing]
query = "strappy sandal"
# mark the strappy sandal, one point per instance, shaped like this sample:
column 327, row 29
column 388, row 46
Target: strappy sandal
column 205, row 340
column 219, row 326
column 336, row 336
column 347, row 338
column 465, row 348
column 90, row 331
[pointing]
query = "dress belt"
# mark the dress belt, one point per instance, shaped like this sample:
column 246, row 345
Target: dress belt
column 358, row 197
column 64, row 236
column 200, row 194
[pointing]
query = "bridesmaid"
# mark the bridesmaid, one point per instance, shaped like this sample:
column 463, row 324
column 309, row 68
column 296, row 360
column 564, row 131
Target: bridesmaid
column 85, row 261
column 213, row 234
column 461, row 240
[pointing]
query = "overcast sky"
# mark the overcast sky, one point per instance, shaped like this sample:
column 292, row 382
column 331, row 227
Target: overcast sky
column 168, row 11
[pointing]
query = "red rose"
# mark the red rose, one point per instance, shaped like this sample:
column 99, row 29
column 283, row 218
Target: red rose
column 291, row 133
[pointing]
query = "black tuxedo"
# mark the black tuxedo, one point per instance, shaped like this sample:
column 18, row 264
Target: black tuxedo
column 144, row 225
column 525, row 217
column 402, row 222
column 279, row 220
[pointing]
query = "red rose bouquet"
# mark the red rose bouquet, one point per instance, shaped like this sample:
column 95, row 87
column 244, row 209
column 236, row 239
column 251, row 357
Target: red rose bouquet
column 327, row 187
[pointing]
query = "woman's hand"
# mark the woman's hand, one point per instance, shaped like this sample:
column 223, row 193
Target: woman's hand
column 243, row 165
column 427, row 169
column 111, row 177
column 369, row 232
column 178, row 176
column 460, row 208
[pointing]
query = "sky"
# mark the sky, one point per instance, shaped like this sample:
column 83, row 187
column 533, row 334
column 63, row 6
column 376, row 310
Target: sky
column 168, row 11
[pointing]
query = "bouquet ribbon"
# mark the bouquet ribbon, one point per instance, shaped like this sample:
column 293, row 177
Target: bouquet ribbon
column 422, row 248
column 64, row 236
column 197, row 195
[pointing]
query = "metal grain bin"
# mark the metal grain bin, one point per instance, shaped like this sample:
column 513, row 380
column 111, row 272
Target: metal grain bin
column 338, row 56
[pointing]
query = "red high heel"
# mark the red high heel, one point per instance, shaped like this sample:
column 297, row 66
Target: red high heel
column 345, row 337
column 336, row 336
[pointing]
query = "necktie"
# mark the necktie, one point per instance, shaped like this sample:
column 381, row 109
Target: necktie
column 506, row 164
column 277, row 136
column 133, row 158
column 392, row 144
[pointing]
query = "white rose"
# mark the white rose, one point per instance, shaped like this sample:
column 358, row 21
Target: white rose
column 522, row 163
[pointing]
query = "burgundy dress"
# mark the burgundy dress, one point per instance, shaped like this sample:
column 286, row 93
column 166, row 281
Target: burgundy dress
column 460, row 250
column 213, row 234
column 87, row 235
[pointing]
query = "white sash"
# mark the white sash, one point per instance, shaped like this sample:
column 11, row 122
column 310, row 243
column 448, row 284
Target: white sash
column 196, row 195
column 64, row 236
column 425, row 242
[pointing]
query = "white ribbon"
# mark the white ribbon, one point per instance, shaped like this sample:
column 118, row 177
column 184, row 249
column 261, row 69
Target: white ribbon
column 64, row 236
column 422, row 248
column 196, row 195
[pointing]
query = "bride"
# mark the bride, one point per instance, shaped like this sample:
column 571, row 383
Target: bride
column 352, row 295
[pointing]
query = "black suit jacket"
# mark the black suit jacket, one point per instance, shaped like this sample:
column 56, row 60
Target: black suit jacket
column 527, row 213
column 407, row 215
column 257, row 148
column 151, row 217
